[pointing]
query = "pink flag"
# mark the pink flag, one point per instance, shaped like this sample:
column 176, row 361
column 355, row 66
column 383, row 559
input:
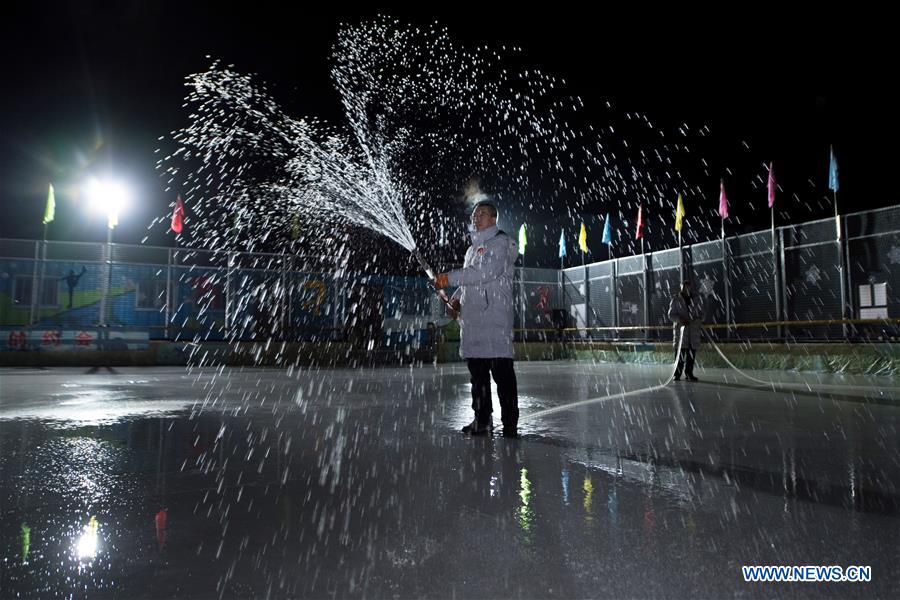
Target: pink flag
column 640, row 222
column 771, row 185
column 723, row 200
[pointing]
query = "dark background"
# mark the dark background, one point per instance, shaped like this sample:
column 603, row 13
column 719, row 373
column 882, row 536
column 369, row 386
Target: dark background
column 90, row 87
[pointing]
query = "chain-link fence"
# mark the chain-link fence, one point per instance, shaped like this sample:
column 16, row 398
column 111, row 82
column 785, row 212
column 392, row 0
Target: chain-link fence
column 775, row 284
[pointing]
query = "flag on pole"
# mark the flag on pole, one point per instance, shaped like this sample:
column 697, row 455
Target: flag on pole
column 562, row 244
column 771, row 185
column 523, row 239
column 833, row 173
column 607, row 231
column 723, row 200
column 50, row 210
column 640, row 222
column 177, row 216
column 679, row 214
column 582, row 239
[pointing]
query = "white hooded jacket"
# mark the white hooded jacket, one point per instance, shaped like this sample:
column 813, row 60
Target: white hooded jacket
column 486, row 295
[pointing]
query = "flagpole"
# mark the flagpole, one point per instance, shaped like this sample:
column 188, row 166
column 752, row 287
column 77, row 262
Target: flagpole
column 522, row 295
column 562, row 293
column 37, row 279
column 726, row 277
column 646, row 291
column 833, row 185
column 842, row 274
column 612, row 288
column 775, row 273
column 43, row 270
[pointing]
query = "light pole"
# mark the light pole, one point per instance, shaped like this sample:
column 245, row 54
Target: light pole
column 107, row 197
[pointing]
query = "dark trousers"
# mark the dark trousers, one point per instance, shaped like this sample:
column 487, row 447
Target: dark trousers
column 686, row 362
column 481, row 370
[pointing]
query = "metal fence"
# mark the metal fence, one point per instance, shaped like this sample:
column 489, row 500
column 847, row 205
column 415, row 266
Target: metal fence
column 802, row 274
column 797, row 275
column 189, row 294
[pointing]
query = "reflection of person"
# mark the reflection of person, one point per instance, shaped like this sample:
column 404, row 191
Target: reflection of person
column 72, row 280
column 686, row 310
column 484, row 305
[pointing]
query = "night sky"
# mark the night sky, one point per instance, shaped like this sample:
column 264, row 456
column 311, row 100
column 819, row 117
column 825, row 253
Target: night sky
column 89, row 87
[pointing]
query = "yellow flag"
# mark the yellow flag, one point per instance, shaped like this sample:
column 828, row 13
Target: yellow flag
column 582, row 239
column 679, row 214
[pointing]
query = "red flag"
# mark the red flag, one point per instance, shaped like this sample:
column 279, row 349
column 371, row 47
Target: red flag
column 178, row 216
column 640, row 222
column 771, row 185
column 723, row 200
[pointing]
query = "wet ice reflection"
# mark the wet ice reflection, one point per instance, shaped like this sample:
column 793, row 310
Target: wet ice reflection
column 356, row 493
column 86, row 545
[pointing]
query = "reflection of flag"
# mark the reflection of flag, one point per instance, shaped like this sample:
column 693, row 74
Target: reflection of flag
column 679, row 214
column 523, row 239
column 582, row 239
column 833, row 172
column 723, row 200
column 607, row 231
column 562, row 244
column 26, row 540
column 640, row 222
column 178, row 216
column 161, row 518
column 50, row 211
column 771, row 185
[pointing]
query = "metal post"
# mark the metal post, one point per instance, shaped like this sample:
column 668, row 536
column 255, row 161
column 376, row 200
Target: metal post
column 107, row 276
column 779, row 309
column 726, row 276
column 335, row 305
column 34, row 283
column 646, row 292
column 782, row 269
column 614, row 300
column 229, row 316
column 843, row 275
column 851, row 304
column 168, row 291
column 522, row 299
column 587, row 303
column 285, row 300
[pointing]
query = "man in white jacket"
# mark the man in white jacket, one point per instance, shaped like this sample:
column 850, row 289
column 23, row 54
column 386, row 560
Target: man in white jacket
column 484, row 305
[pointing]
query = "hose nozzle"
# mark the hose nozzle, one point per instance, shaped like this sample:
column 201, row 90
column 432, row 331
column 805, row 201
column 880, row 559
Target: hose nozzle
column 430, row 272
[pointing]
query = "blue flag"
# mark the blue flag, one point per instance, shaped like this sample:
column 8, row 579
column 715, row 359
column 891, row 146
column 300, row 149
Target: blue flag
column 562, row 244
column 833, row 173
column 607, row 231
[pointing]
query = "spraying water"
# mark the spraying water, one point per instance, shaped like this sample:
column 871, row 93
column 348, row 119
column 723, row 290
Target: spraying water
column 420, row 114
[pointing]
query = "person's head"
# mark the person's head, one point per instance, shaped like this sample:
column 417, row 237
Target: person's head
column 484, row 215
column 686, row 287
column 71, row 272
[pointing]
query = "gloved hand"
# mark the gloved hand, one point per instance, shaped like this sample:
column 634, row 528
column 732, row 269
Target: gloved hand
column 453, row 309
column 441, row 281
